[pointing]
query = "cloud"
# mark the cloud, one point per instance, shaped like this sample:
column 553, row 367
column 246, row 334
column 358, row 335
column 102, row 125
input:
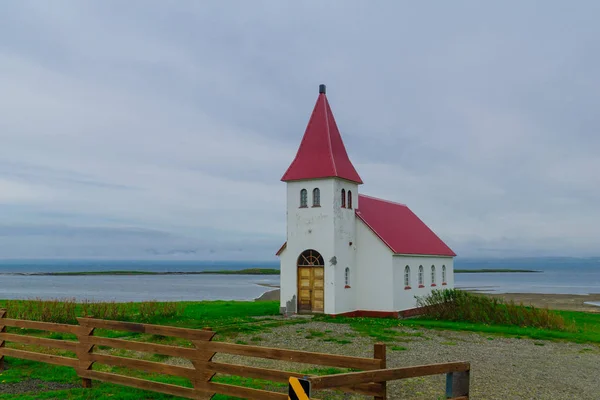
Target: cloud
column 181, row 119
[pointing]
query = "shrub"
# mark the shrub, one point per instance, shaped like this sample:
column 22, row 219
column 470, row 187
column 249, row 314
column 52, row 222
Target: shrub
column 67, row 310
column 457, row 305
column 60, row 311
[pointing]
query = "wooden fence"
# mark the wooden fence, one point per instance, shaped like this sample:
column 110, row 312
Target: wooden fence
column 80, row 354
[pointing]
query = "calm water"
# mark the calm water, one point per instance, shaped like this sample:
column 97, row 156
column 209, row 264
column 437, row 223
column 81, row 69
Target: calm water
column 132, row 288
column 559, row 275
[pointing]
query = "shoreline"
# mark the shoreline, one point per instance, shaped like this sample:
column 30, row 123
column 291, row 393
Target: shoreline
column 563, row 302
column 248, row 271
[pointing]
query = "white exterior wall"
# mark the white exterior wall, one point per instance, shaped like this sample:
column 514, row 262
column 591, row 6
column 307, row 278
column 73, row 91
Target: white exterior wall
column 374, row 283
column 345, row 233
column 308, row 228
column 404, row 299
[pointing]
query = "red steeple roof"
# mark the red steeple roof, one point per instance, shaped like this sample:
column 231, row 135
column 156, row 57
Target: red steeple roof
column 322, row 153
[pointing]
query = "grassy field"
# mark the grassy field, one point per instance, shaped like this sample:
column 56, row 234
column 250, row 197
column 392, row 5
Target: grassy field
column 233, row 319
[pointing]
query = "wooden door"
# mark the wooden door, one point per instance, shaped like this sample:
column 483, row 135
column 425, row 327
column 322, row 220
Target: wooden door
column 304, row 288
column 318, row 289
column 311, row 289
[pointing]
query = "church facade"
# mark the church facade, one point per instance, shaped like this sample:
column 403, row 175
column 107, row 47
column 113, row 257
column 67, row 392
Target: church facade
column 347, row 253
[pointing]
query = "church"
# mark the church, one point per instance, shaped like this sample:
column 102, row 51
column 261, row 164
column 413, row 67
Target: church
column 348, row 253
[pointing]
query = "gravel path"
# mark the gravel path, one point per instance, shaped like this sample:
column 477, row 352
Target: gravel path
column 33, row 385
column 501, row 368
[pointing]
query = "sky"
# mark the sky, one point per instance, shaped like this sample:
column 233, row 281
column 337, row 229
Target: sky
column 161, row 129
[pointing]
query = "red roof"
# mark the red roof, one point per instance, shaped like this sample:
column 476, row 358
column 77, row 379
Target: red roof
column 399, row 228
column 321, row 153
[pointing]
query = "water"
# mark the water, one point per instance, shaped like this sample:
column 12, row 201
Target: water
column 133, row 287
column 559, row 275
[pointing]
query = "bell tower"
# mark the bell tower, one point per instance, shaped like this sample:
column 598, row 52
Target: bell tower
column 319, row 258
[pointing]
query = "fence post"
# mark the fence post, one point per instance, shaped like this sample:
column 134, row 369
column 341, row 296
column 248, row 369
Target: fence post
column 203, row 356
column 379, row 353
column 457, row 384
column 84, row 349
column 2, row 329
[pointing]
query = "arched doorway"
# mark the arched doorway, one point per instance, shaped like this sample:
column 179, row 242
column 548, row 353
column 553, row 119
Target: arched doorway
column 311, row 287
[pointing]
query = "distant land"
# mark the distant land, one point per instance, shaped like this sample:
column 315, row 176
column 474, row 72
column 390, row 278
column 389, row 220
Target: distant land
column 247, row 271
column 483, row 271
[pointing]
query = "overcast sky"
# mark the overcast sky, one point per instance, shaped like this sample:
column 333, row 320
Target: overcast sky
column 162, row 128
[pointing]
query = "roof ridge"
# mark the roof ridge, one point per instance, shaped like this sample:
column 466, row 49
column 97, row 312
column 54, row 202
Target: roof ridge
column 383, row 200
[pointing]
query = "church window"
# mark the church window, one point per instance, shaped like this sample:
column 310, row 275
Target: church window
column 310, row 258
column 343, row 198
column 443, row 274
column 433, row 275
column 349, row 199
column 421, row 280
column 347, row 277
column 316, row 197
column 303, row 198
column 407, row 277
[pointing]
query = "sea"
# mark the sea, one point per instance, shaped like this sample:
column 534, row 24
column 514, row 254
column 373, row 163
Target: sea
column 562, row 275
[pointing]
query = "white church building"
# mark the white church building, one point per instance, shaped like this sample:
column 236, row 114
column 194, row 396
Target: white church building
column 347, row 253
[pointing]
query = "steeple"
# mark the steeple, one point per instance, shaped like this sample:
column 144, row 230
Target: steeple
column 321, row 153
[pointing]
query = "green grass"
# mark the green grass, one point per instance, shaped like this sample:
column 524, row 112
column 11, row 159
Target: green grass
column 585, row 328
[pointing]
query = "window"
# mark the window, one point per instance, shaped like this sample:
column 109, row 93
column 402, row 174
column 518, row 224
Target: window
column 407, row 277
column 310, row 258
column 433, row 275
column 349, row 199
column 421, row 276
column 347, row 277
column 343, row 198
column 303, row 198
column 316, row 197
column 443, row 274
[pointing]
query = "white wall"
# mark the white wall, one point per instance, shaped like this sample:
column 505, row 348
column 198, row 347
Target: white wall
column 405, row 299
column 308, row 228
column 345, row 233
column 374, row 279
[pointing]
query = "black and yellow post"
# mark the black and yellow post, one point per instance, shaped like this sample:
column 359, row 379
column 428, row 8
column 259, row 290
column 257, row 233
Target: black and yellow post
column 299, row 389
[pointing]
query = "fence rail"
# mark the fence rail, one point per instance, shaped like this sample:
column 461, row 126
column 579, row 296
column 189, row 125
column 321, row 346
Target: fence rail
column 371, row 380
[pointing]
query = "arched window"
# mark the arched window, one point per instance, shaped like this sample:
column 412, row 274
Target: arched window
column 349, row 199
column 343, row 198
column 421, row 281
column 443, row 274
column 433, row 275
column 303, row 198
column 407, row 277
column 316, row 197
column 310, row 258
column 347, row 277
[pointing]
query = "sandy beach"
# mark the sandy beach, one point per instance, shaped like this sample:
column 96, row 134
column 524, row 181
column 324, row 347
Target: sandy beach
column 571, row 302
